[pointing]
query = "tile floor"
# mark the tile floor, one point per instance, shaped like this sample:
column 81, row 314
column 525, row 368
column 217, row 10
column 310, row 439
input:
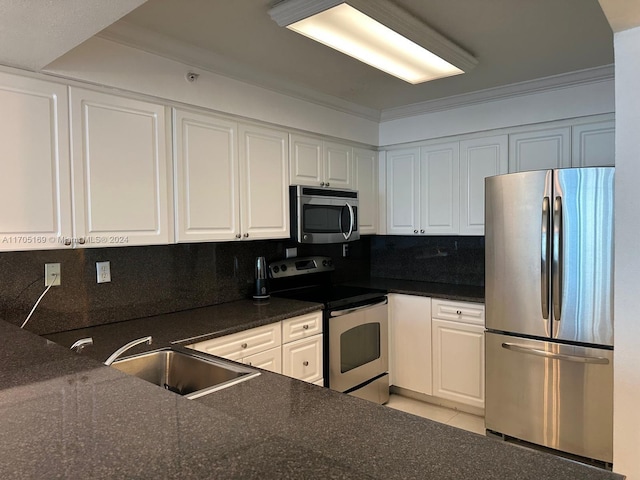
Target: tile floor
column 463, row 420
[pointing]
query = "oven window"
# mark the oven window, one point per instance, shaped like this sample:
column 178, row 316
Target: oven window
column 359, row 346
column 322, row 218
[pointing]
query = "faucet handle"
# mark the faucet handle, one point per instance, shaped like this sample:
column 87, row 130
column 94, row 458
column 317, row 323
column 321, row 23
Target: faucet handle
column 80, row 344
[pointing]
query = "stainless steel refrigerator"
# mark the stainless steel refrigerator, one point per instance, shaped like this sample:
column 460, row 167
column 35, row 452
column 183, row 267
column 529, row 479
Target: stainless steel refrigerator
column 549, row 309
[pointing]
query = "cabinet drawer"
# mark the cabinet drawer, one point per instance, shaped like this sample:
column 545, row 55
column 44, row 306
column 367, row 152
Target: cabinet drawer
column 301, row 327
column 242, row 344
column 464, row 312
column 303, row 359
column 268, row 360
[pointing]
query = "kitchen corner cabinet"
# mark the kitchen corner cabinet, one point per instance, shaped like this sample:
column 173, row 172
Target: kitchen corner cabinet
column 540, row 149
column 458, row 351
column 35, row 190
column 423, row 190
column 365, row 176
column 479, row 158
column 121, row 171
column 410, row 342
column 319, row 163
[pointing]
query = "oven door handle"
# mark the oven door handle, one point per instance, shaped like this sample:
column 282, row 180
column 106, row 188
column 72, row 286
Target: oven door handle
column 351, row 222
column 339, row 313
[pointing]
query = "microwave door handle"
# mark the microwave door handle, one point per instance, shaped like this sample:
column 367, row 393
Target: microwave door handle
column 351, row 222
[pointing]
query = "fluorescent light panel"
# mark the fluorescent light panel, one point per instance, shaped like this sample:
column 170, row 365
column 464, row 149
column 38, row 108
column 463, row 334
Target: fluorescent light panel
column 350, row 31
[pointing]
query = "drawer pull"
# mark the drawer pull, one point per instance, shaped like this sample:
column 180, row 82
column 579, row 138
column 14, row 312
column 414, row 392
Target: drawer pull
column 458, row 312
column 244, row 345
column 305, row 327
column 249, row 363
column 305, row 363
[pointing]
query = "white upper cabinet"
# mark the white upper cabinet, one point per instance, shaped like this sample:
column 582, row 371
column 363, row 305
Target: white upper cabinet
column 593, row 144
column 264, row 182
column 121, row 171
column 479, row 158
column 403, row 191
column 439, row 189
column 207, row 177
column 365, row 165
column 35, row 193
column 320, row 163
column 540, row 149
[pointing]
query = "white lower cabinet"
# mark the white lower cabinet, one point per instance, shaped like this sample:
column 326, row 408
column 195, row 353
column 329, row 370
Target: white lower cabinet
column 458, row 351
column 292, row 347
column 410, row 342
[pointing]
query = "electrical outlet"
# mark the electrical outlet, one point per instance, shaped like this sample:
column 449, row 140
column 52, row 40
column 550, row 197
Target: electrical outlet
column 103, row 271
column 291, row 252
column 50, row 272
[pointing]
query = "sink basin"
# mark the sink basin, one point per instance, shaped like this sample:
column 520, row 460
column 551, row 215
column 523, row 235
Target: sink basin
column 187, row 373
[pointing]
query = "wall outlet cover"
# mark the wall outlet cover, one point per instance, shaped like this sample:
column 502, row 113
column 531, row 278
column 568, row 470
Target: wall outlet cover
column 51, row 272
column 103, row 272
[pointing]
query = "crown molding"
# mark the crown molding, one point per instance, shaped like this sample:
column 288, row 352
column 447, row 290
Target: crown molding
column 555, row 82
column 168, row 47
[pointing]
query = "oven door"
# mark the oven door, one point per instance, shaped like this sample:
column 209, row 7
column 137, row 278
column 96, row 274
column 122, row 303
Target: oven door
column 327, row 220
column 358, row 345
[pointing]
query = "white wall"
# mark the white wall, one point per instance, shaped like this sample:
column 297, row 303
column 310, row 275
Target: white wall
column 106, row 63
column 626, row 439
column 555, row 104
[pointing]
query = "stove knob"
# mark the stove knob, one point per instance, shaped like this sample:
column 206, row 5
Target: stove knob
column 324, row 263
column 283, row 268
column 330, row 263
column 276, row 269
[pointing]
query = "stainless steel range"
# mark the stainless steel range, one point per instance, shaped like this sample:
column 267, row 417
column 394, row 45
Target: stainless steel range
column 355, row 325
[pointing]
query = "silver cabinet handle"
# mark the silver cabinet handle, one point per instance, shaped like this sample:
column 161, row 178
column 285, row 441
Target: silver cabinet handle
column 458, row 312
column 244, row 345
column 305, row 363
column 238, row 235
column 415, row 231
column 556, row 356
column 305, row 327
column 81, row 240
column 544, row 259
column 246, row 235
column 338, row 313
column 327, row 184
column 322, row 184
column 421, row 231
column 67, row 241
column 556, row 262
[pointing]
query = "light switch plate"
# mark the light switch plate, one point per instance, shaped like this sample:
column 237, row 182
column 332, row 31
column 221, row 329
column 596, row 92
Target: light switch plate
column 103, row 271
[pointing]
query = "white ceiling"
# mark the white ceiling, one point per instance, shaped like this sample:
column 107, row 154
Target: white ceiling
column 514, row 41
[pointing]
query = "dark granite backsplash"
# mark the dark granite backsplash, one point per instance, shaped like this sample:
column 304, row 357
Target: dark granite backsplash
column 454, row 260
column 145, row 281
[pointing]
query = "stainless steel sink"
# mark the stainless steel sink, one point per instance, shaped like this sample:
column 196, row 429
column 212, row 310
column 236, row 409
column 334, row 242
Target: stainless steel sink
column 185, row 372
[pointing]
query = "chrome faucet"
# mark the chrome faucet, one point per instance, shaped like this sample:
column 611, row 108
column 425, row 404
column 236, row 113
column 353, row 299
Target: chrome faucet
column 80, row 344
column 126, row 347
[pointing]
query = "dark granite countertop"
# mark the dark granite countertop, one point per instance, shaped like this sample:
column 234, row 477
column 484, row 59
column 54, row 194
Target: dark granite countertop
column 467, row 293
column 185, row 327
column 64, row 415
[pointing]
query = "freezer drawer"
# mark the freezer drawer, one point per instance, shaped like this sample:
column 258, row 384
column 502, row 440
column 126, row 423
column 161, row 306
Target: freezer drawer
column 558, row 396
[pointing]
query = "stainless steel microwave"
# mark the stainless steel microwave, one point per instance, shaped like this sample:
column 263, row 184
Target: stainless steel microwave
column 323, row 215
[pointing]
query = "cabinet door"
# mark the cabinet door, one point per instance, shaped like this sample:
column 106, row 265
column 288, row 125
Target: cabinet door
column 366, row 182
column 479, row 159
column 270, row 360
column 593, row 145
column 302, row 359
column 403, row 191
column 35, row 191
column 207, row 186
column 121, row 171
column 410, row 345
column 338, row 170
column 439, row 189
column 302, row 326
column 540, row 150
column 264, row 184
column 306, row 161
column 458, row 362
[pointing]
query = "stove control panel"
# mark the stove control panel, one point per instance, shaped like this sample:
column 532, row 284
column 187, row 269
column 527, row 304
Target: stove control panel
column 290, row 267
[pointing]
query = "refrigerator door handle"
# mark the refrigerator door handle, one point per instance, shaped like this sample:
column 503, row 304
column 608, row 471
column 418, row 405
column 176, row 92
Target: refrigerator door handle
column 556, row 263
column 555, row 356
column 544, row 258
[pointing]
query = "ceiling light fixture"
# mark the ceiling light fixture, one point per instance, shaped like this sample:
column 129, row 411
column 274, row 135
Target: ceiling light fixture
column 378, row 33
